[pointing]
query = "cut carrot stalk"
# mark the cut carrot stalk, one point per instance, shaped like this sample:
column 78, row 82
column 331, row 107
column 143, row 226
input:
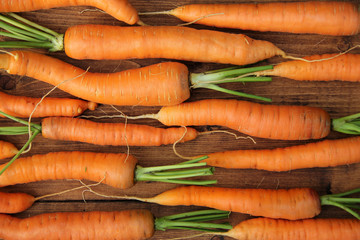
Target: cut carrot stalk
column 130, row 87
column 293, row 17
column 119, row 9
column 171, row 42
column 7, row 149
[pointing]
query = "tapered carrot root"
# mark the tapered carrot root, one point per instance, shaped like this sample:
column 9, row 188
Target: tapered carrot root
column 120, row 9
column 7, row 149
column 70, row 129
column 320, row 154
column 290, row 204
column 20, row 106
column 15, row 202
column 265, row 121
column 116, row 170
column 337, row 67
column 308, row 229
column 124, row 225
column 294, row 17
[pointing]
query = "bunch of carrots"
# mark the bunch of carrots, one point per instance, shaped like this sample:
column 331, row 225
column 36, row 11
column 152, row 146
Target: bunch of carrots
column 167, row 87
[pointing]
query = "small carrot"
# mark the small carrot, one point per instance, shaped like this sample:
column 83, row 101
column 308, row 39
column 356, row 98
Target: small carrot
column 20, row 106
column 182, row 43
column 318, row 154
column 293, row 17
column 134, row 224
column 15, row 202
column 7, row 149
column 258, row 120
column 119, row 9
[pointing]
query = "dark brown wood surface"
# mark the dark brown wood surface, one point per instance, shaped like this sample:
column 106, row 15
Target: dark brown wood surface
column 338, row 98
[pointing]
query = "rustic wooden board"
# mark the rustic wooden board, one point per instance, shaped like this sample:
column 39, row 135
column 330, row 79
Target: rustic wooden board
column 338, row 98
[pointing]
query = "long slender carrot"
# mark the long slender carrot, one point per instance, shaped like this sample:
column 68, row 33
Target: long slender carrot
column 160, row 84
column 117, row 170
column 119, row 9
column 15, row 202
column 294, row 17
column 182, row 43
column 135, row 224
column 7, row 149
column 319, row 154
column 21, row 106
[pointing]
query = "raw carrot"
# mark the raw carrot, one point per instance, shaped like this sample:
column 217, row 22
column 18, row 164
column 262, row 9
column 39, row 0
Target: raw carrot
column 135, row 224
column 258, row 120
column 160, row 84
column 307, row 229
column 7, row 149
column 15, row 202
column 119, row 9
column 293, row 17
column 182, row 43
column 20, row 106
column 325, row 153
column 116, row 170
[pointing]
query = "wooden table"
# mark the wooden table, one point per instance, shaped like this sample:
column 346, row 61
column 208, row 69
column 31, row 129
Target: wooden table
column 338, row 98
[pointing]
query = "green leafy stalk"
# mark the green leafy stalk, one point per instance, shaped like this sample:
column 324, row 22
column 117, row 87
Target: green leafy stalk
column 196, row 220
column 349, row 124
column 341, row 201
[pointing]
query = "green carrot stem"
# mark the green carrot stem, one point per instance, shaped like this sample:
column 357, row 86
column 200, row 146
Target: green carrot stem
column 18, row 36
column 36, row 126
column 187, row 182
column 195, row 160
column 349, row 124
column 14, row 130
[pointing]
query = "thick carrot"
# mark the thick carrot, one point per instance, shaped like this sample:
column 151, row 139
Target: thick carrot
column 15, row 202
column 182, row 43
column 119, row 9
column 114, row 169
column 319, row 154
column 20, row 106
column 294, row 17
column 308, row 229
column 7, row 149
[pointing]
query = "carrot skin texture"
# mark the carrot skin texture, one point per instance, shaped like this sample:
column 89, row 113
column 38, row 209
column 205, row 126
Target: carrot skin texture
column 15, row 202
column 21, row 106
column 7, row 149
column 344, row 68
column 293, row 17
column 155, row 85
column 119, row 225
column 292, row 204
column 116, row 170
column 182, row 43
column 308, row 229
column 115, row 134
column 254, row 119
column 327, row 153
column 120, row 9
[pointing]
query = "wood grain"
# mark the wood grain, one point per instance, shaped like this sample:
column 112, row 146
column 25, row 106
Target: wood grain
column 338, row 98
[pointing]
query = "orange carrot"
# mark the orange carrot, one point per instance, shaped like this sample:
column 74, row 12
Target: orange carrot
column 308, row 229
column 117, row 170
column 182, row 43
column 294, row 17
column 338, row 67
column 7, row 149
column 20, row 106
column 15, row 202
column 119, row 9
column 319, row 154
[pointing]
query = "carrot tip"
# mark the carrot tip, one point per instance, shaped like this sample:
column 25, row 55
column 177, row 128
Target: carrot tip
column 92, row 105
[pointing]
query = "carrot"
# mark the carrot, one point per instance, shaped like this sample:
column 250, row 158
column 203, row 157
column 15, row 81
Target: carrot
column 7, row 149
column 291, row 204
column 134, row 224
column 15, row 202
column 319, row 154
column 160, row 84
column 182, row 43
column 258, row 120
column 119, row 9
column 293, row 17
column 308, row 229
column 116, row 170
column 20, row 106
